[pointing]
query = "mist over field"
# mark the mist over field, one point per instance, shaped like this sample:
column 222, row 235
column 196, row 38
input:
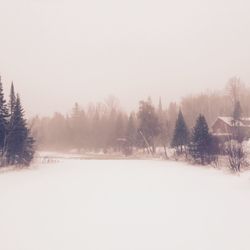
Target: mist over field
column 124, row 125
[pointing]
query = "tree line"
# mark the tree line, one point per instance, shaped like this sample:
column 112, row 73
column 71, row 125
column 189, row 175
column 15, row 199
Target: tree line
column 102, row 127
column 16, row 142
column 106, row 127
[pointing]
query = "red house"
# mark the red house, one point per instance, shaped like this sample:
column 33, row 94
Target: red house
column 224, row 127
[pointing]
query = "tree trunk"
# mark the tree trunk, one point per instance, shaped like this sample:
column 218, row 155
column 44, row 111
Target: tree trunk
column 165, row 151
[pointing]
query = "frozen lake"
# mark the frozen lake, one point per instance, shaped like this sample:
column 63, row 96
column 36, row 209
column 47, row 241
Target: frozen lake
column 130, row 205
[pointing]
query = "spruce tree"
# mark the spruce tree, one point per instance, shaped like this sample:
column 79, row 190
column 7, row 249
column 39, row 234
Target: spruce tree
column 201, row 143
column 19, row 142
column 181, row 134
column 237, row 111
column 12, row 100
column 3, row 118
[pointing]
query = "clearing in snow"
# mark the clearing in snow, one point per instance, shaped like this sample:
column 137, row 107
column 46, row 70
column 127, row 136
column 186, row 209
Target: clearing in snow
column 130, row 205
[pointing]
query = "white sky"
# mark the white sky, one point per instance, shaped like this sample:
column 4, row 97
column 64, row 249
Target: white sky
column 61, row 51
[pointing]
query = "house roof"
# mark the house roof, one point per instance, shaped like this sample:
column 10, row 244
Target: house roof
column 243, row 122
column 226, row 119
column 222, row 134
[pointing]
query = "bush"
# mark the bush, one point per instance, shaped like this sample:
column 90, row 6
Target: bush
column 236, row 155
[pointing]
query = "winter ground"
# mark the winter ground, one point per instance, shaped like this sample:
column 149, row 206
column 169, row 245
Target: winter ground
column 135, row 204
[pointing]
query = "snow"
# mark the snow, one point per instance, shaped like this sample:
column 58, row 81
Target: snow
column 244, row 121
column 227, row 120
column 129, row 205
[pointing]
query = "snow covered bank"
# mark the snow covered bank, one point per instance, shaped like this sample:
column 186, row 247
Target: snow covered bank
column 112, row 205
column 46, row 156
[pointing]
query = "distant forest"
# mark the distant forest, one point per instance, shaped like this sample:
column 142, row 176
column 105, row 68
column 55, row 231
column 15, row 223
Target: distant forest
column 105, row 126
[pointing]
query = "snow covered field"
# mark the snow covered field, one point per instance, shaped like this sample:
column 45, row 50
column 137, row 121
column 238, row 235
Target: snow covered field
column 111, row 205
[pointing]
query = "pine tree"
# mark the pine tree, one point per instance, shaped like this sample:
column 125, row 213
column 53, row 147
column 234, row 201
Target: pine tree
column 237, row 111
column 3, row 118
column 181, row 134
column 19, row 149
column 12, row 101
column 201, row 143
column 78, row 127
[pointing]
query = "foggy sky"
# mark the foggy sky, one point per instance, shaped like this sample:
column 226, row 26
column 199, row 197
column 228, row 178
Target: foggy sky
column 61, row 51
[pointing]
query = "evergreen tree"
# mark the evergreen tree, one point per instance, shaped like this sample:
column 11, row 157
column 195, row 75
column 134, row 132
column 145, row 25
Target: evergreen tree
column 78, row 127
column 12, row 101
column 237, row 111
column 19, row 149
column 201, row 143
column 3, row 118
column 181, row 134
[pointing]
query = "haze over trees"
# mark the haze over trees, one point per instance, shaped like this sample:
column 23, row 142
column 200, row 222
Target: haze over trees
column 185, row 126
column 104, row 126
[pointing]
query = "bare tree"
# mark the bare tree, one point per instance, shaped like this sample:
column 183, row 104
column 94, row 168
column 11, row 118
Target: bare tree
column 236, row 155
column 235, row 88
column 149, row 126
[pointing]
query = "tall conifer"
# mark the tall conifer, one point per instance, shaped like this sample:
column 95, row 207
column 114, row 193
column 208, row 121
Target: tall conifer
column 201, row 143
column 3, row 117
column 181, row 134
column 19, row 142
column 12, row 100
